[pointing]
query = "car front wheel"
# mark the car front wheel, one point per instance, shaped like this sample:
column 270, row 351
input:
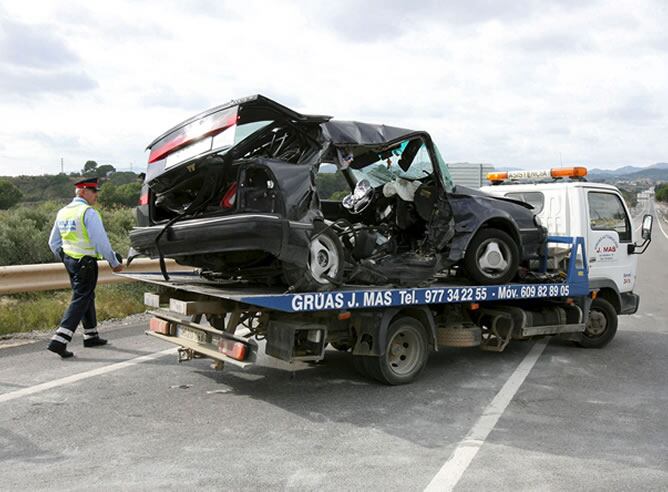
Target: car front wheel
column 492, row 257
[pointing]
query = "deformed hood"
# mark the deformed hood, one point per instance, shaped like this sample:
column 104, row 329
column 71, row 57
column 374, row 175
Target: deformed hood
column 463, row 190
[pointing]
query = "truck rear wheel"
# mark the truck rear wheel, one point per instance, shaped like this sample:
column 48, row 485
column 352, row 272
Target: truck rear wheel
column 405, row 354
column 601, row 325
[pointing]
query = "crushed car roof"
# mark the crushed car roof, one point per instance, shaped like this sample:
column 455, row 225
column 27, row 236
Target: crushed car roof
column 356, row 133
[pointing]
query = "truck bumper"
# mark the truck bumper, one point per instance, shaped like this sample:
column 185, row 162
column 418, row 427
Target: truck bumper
column 629, row 302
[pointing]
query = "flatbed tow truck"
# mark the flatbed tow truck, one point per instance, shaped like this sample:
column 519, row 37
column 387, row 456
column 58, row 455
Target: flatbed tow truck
column 388, row 331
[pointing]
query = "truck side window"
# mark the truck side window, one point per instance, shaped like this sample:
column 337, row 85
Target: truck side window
column 533, row 198
column 606, row 212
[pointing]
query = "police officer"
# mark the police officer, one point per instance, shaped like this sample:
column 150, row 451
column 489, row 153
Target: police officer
column 78, row 238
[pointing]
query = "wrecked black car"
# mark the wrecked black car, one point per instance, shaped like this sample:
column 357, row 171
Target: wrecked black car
column 254, row 191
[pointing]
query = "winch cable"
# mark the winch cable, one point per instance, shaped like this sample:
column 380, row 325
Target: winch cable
column 201, row 200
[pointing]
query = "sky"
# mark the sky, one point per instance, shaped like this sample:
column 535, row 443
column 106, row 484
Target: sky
column 520, row 83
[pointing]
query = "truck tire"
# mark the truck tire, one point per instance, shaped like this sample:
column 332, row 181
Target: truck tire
column 405, row 356
column 492, row 257
column 601, row 325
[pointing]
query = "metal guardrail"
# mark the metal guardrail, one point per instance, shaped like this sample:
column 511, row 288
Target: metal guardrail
column 49, row 276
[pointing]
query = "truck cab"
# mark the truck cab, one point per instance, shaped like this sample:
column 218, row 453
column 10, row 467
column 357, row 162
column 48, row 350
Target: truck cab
column 594, row 211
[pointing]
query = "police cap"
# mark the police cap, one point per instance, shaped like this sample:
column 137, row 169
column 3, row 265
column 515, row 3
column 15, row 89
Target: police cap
column 90, row 183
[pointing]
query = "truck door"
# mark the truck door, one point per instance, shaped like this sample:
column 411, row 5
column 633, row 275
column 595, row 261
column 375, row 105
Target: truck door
column 609, row 235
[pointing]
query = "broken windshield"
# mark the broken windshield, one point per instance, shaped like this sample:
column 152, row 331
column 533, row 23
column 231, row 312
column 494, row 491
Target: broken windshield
column 385, row 166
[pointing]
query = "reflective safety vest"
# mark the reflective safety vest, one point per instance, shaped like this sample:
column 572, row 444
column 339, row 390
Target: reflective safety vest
column 70, row 222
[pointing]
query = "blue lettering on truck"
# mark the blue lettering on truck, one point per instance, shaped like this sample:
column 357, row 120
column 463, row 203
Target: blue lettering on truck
column 378, row 298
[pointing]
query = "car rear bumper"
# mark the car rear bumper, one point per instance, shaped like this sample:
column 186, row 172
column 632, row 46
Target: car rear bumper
column 239, row 232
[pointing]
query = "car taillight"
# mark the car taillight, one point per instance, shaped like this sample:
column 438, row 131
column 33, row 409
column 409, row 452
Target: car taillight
column 232, row 348
column 204, row 127
column 161, row 326
column 230, row 197
column 143, row 199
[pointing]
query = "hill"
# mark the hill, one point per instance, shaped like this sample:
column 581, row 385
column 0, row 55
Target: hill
column 59, row 186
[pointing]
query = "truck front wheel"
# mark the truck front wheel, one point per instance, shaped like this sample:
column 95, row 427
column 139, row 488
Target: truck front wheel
column 601, row 325
column 405, row 354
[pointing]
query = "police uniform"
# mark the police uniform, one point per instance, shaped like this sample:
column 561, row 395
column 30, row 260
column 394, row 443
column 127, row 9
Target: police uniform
column 78, row 238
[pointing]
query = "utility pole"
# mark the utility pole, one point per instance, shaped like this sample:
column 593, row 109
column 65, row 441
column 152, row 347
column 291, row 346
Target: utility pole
column 61, row 166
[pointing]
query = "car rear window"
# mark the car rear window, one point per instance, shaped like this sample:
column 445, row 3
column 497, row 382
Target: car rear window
column 533, row 198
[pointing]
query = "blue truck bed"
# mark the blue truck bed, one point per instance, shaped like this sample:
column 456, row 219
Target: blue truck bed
column 365, row 297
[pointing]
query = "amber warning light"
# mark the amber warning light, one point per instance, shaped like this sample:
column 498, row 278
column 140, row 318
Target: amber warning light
column 555, row 172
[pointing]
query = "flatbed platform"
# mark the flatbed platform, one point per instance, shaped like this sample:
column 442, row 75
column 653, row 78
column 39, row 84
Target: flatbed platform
column 351, row 297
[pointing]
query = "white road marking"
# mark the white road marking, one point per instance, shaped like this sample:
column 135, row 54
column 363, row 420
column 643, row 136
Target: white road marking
column 13, row 395
column 658, row 216
column 453, row 469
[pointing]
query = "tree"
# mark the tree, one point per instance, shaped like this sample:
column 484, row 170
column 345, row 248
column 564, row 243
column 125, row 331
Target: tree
column 104, row 170
column 89, row 169
column 10, row 195
column 661, row 192
column 125, row 195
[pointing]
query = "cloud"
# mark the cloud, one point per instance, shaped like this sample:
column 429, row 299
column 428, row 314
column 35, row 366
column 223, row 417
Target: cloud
column 33, row 46
column 505, row 82
column 637, row 109
column 29, row 83
column 167, row 97
column 36, row 60
column 61, row 142
column 553, row 43
column 377, row 20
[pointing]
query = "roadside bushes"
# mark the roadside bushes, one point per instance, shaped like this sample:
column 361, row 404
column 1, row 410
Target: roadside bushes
column 10, row 195
column 25, row 229
column 661, row 192
column 43, row 310
column 123, row 195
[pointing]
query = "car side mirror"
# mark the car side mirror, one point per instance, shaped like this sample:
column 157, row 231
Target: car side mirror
column 646, row 234
column 646, row 230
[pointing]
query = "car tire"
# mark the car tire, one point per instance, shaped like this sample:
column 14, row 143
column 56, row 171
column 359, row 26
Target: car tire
column 325, row 255
column 601, row 325
column 405, row 355
column 492, row 257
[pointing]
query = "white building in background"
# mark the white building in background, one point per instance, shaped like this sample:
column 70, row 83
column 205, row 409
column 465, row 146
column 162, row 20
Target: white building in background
column 468, row 174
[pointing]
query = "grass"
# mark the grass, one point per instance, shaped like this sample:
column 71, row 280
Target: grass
column 43, row 310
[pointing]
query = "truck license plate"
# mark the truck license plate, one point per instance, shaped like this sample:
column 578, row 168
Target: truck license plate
column 191, row 334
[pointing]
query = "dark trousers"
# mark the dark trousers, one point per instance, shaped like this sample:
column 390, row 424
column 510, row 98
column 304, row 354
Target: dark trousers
column 83, row 279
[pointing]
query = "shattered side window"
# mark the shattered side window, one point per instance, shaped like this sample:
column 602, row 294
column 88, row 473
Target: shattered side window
column 330, row 183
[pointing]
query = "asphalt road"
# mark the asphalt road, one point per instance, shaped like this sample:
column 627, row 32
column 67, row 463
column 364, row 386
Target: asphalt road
column 582, row 419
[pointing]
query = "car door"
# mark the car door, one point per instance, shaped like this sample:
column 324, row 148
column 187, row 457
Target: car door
column 609, row 235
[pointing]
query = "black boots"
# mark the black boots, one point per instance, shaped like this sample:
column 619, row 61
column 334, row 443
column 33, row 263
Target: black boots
column 94, row 342
column 60, row 349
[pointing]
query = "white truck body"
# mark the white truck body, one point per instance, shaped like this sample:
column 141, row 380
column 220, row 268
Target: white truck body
column 596, row 212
